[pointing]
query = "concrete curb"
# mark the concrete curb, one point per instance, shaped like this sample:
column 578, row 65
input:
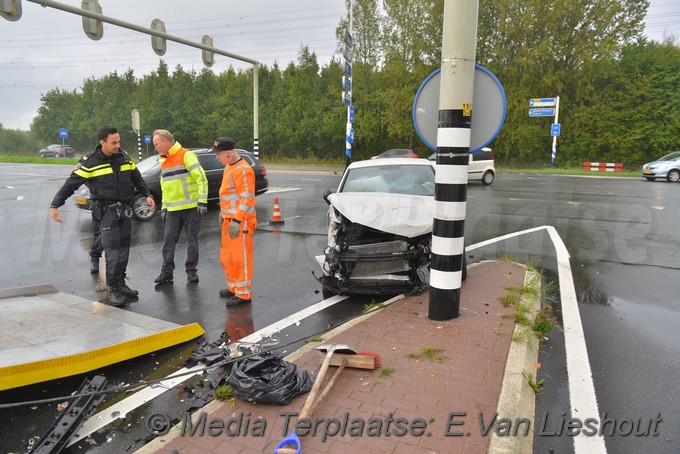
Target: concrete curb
column 517, row 400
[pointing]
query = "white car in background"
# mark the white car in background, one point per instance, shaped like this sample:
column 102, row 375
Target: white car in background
column 481, row 167
column 667, row 167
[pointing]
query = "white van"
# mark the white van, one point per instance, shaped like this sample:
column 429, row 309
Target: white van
column 481, row 166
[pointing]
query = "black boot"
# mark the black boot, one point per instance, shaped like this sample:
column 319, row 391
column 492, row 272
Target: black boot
column 163, row 278
column 94, row 265
column 116, row 297
column 127, row 291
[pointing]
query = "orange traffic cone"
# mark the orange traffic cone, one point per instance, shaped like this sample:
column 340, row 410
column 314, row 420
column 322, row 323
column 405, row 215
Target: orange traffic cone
column 276, row 215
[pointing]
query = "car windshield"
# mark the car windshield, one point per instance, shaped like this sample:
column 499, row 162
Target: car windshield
column 671, row 157
column 149, row 163
column 392, row 179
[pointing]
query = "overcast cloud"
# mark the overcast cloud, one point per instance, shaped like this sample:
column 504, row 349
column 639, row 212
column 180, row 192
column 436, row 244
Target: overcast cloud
column 47, row 48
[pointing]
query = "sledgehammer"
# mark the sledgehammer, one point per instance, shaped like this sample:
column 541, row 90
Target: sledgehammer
column 291, row 444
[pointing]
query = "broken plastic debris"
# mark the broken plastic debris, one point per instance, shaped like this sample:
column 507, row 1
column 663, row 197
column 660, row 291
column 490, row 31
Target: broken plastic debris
column 34, row 407
column 62, row 406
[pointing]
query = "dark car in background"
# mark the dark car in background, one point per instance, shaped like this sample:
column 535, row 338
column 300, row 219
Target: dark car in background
column 57, row 150
column 150, row 169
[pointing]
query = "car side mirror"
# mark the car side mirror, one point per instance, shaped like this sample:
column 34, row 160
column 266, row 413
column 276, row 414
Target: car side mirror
column 326, row 193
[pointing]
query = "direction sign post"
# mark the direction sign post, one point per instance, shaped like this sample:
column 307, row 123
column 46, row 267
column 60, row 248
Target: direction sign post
column 541, row 102
column 347, row 92
column 554, row 144
column 555, row 129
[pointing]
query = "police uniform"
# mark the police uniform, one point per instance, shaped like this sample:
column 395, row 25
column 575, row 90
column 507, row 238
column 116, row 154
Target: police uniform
column 112, row 182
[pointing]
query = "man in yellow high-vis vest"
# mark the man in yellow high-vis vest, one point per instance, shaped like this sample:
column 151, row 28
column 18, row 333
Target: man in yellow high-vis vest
column 184, row 189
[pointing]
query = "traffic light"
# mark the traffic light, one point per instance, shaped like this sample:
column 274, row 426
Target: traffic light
column 93, row 28
column 10, row 9
column 208, row 57
column 159, row 45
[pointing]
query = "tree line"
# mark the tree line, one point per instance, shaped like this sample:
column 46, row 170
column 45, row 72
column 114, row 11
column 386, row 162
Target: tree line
column 618, row 90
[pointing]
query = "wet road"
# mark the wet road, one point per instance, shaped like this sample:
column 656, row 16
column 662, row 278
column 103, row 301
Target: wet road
column 622, row 235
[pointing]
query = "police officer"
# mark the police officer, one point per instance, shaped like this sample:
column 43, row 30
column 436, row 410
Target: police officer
column 111, row 177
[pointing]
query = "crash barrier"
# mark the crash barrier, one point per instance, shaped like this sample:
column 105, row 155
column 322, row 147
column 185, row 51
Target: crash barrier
column 603, row 166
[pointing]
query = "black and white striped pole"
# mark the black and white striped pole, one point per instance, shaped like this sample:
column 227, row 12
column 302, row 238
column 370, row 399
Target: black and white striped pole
column 136, row 127
column 453, row 148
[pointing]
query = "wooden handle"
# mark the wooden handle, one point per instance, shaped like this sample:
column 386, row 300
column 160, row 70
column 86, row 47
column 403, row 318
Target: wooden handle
column 305, row 412
column 325, row 391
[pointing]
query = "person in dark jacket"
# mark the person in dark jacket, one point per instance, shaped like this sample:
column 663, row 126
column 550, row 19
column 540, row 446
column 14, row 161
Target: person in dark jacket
column 111, row 177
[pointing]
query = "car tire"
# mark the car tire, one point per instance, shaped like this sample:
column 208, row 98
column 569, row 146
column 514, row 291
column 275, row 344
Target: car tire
column 673, row 176
column 57, row 155
column 650, row 178
column 488, row 177
column 42, row 155
column 141, row 209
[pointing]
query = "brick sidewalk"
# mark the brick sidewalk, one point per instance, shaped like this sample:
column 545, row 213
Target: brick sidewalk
column 424, row 392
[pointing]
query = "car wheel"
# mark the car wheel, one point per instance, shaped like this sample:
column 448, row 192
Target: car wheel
column 141, row 209
column 488, row 177
column 57, row 155
column 650, row 178
column 673, row 176
column 42, row 155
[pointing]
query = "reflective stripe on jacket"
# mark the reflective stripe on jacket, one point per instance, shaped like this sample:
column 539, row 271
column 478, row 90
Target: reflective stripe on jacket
column 237, row 193
column 109, row 178
column 183, row 181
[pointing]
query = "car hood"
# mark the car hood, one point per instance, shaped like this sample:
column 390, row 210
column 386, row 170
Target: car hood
column 399, row 214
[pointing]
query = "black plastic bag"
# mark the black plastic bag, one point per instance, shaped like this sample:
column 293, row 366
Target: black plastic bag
column 267, row 379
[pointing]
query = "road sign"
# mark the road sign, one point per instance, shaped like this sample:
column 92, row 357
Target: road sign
column 147, row 139
column 350, row 137
column 351, row 114
column 555, row 130
column 541, row 102
column 488, row 109
column 348, row 69
column 63, row 133
column 542, row 112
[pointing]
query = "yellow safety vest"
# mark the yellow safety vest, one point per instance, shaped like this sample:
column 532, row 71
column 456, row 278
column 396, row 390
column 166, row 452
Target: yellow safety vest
column 183, row 181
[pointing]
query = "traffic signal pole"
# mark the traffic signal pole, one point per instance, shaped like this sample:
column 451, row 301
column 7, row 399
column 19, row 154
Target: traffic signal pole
column 453, row 149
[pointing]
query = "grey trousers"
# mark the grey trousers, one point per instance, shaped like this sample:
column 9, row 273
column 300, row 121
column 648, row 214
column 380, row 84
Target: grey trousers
column 115, row 239
column 175, row 221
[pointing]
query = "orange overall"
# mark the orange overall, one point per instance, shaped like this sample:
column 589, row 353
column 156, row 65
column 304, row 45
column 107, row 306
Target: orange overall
column 237, row 202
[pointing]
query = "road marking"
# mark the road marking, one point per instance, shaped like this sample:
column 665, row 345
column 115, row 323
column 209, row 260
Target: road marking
column 9, row 187
column 21, row 197
column 658, row 208
column 582, row 396
column 273, row 189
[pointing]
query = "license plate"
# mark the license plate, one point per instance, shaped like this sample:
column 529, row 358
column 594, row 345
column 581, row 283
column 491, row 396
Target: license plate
column 647, row 172
column 81, row 201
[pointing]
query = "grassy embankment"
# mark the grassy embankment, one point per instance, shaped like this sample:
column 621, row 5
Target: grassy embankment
column 338, row 163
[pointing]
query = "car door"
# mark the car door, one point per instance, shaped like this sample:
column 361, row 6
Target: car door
column 213, row 172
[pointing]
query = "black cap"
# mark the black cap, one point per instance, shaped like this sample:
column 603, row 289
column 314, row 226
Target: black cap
column 222, row 143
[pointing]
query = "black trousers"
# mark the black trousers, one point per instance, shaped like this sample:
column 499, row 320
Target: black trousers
column 175, row 221
column 115, row 237
column 96, row 249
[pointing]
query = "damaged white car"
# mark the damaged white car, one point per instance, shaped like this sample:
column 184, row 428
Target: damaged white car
column 380, row 228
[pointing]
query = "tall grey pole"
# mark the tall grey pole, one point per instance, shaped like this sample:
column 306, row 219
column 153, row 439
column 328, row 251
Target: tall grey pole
column 453, row 149
column 553, row 154
column 256, row 110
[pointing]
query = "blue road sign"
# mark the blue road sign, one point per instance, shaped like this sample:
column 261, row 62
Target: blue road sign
column 147, row 139
column 555, row 130
column 348, row 69
column 542, row 112
column 350, row 137
column 351, row 114
column 63, row 133
column 541, row 102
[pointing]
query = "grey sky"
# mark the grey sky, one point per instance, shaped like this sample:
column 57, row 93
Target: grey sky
column 47, row 48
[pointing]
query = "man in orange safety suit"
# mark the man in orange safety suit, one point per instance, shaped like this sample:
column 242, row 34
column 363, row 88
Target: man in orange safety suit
column 237, row 216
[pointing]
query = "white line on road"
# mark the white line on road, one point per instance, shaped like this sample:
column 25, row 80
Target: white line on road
column 583, row 401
